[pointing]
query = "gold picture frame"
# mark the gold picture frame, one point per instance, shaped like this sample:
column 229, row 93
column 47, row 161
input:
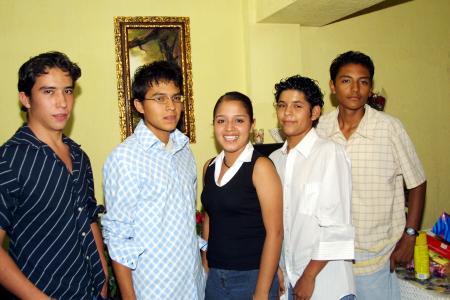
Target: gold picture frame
column 141, row 40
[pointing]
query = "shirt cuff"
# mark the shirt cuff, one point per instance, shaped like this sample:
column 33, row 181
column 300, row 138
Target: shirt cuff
column 335, row 243
column 125, row 252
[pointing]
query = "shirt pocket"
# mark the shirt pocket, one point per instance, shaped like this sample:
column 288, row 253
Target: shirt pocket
column 308, row 198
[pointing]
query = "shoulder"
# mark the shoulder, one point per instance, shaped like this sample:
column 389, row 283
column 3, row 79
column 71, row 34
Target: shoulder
column 327, row 119
column 263, row 164
column 380, row 120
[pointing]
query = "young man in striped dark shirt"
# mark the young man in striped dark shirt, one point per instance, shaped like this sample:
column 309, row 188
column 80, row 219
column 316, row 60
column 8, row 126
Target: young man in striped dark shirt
column 47, row 204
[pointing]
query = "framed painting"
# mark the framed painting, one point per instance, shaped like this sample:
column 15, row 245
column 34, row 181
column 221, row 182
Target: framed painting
column 143, row 40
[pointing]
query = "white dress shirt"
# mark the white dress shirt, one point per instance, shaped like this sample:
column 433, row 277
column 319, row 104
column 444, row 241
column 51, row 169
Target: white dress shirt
column 316, row 179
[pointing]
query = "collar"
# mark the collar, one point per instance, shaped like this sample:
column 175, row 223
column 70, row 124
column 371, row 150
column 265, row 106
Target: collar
column 245, row 156
column 363, row 126
column 148, row 139
column 305, row 146
column 25, row 136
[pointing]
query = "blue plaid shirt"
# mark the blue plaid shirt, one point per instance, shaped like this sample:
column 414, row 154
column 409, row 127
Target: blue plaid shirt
column 47, row 212
column 149, row 226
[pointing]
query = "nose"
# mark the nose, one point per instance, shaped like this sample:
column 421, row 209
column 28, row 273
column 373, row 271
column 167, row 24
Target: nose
column 61, row 100
column 355, row 86
column 229, row 126
column 288, row 110
column 170, row 105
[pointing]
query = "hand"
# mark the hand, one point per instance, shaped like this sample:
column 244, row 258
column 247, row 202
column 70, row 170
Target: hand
column 304, row 288
column 281, row 287
column 403, row 252
column 104, row 291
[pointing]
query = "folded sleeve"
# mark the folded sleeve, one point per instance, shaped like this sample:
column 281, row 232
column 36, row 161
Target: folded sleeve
column 405, row 154
column 336, row 237
column 121, row 192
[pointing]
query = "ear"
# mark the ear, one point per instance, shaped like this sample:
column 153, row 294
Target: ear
column 253, row 125
column 332, row 87
column 139, row 106
column 24, row 100
column 315, row 114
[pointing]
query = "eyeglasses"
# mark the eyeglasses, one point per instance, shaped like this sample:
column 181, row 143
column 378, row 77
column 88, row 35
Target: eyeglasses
column 164, row 99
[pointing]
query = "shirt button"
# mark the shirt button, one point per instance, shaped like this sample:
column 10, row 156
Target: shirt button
column 87, row 257
column 83, row 233
column 80, row 209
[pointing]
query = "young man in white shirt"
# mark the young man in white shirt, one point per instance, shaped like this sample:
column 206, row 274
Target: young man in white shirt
column 316, row 176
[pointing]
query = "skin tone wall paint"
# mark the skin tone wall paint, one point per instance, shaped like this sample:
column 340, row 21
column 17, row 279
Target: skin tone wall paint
column 412, row 66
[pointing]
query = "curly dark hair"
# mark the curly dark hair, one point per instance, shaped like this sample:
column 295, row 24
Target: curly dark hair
column 39, row 65
column 351, row 57
column 309, row 87
column 149, row 74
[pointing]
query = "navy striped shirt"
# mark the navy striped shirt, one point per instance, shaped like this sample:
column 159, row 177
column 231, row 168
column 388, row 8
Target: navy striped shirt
column 47, row 212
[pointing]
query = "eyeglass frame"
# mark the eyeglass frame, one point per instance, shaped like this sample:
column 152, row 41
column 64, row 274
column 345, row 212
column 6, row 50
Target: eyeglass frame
column 165, row 99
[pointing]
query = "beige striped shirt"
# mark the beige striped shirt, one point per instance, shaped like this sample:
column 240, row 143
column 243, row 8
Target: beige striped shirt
column 383, row 157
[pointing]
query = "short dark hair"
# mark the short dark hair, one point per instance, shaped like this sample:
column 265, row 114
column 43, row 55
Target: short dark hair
column 235, row 96
column 351, row 57
column 149, row 74
column 40, row 64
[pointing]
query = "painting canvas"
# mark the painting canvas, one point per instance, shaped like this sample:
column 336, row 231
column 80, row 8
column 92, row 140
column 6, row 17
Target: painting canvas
column 143, row 40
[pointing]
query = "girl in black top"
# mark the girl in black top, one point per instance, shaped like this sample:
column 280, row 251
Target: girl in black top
column 242, row 198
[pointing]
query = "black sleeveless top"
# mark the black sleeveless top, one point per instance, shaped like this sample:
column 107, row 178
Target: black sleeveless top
column 236, row 228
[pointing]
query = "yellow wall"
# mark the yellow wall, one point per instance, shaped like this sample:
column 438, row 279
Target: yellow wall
column 84, row 30
column 409, row 44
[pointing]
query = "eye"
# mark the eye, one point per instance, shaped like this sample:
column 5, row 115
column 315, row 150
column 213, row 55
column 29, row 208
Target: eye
column 47, row 91
column 240, row 121
column 220, row 121
column 68, row 91
column 280, row 105
column 159, row 99
column 345, row 80
column 298, row 106
column 365, row 82
column 178, row 98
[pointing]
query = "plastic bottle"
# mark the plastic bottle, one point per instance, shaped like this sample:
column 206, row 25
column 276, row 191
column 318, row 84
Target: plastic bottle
column 421, row 258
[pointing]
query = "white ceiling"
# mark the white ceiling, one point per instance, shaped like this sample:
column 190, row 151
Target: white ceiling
column 312, row 12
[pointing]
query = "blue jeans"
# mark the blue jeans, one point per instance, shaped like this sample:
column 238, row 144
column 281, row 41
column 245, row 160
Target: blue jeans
column 235, row 285
column 290, row 293
column 379, row 285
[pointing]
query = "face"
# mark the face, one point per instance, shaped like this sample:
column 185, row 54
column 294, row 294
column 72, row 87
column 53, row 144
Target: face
column 50, row 103
column 232, row 126
column 160, row 118
column 295, row 116
column 353, row 86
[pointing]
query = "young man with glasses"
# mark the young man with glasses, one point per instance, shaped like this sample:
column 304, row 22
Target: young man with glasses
column 150, row 190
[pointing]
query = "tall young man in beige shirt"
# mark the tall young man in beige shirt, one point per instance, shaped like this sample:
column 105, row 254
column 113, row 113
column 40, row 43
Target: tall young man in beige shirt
column 383, row 158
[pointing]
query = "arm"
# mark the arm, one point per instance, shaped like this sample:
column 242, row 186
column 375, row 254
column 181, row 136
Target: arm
column 304, row 287
column 13, row 279
column 101, row 252
column 268, row 188
column 205, row 234
column 124, row 279
column 404, row 250
column 122, row 196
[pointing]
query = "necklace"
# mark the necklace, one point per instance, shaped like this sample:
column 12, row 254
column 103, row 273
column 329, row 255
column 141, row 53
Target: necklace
column 225, row 163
